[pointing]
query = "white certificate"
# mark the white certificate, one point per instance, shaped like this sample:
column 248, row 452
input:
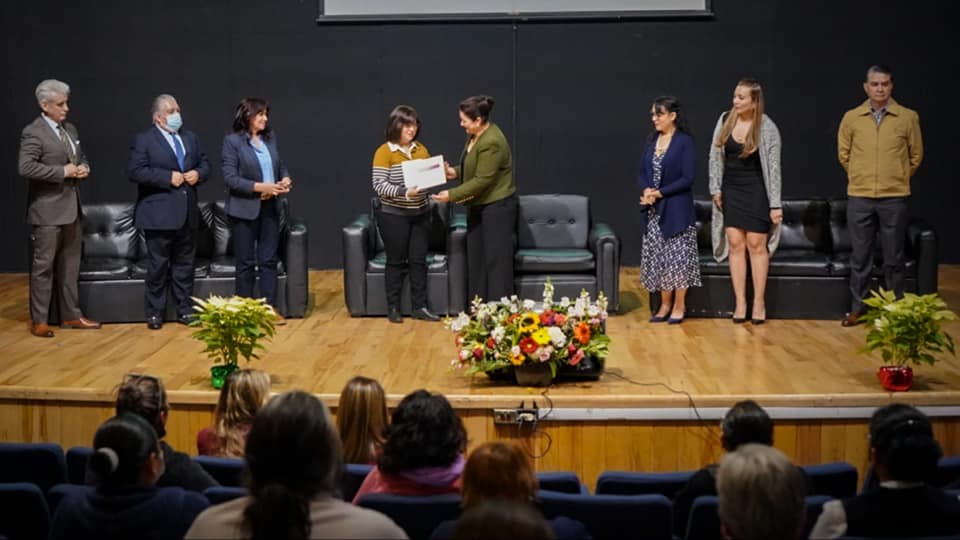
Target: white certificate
column 424, row 173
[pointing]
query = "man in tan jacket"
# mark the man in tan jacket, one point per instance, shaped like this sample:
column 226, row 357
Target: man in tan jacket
column 880, row 147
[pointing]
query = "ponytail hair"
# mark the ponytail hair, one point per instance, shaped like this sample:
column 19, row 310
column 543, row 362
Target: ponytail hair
column 902, row 438
column 121, row 447
column 477, row 107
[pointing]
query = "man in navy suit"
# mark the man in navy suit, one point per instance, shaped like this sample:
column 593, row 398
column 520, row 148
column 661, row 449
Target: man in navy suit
column 167, row 163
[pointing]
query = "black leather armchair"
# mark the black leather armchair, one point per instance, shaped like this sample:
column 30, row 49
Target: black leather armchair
column 557, row 239
column 810, row 271
column 113, row 265
column 364, row 262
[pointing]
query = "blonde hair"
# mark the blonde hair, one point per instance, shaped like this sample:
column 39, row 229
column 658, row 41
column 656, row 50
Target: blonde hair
column 753, row 136
column 760, row 493
column 498, row 470
column 361, row 419
column 242, row 395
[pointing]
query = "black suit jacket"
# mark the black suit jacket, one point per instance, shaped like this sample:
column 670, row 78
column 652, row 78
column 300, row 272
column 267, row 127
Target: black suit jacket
column 51, row 198
column 160, row 206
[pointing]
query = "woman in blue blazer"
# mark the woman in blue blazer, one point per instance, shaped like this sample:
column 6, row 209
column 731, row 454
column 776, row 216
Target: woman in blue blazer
column 669, row 262
column 256, row 176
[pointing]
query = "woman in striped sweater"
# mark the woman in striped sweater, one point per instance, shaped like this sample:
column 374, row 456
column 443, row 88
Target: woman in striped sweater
column 403, row 215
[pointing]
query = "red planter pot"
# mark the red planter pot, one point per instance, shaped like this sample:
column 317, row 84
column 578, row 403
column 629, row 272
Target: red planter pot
column 895, row 378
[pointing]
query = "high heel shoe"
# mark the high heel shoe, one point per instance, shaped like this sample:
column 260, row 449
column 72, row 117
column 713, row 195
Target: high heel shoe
column 739, row 320
column 677, row 320
column 660, row 318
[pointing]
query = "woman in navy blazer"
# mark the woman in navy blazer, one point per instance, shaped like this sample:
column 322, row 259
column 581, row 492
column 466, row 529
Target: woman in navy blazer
column 669, row 262
column 256, row 176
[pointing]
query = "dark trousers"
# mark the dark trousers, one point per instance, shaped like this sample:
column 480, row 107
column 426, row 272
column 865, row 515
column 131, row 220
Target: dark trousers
column 170, row 256
column 55, row 261
column 865, row 217
column 255, row 243
column 490, row 231
column 405, row 239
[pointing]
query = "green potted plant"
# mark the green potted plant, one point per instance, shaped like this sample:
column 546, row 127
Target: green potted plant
column 908, row 330
column 232, row 328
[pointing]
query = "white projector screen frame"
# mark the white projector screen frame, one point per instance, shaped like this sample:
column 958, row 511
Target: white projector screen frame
column 374, row 11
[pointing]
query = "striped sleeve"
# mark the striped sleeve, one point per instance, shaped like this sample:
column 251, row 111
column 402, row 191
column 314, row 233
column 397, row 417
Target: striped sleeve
column 385, row 185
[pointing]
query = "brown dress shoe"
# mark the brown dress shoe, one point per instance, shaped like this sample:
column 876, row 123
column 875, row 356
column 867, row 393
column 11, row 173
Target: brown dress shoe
column 82, row 323
column 851, row 319
column 41, row 330
column 279, row 320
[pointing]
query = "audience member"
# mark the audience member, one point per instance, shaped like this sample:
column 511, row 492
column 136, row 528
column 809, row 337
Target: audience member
column 242, row 395
column 145, row 396
column 362, row 420
column 497, row 518
column 745, row 422
column 126, row 463
column 500, row 471
column 904, row 457
column 423, row 454
column 760, row 494
column 294, row 462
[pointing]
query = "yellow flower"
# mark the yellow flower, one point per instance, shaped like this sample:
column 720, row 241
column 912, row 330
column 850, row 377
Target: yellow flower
column 529, row 322
column 541, row 336
column 517, row 359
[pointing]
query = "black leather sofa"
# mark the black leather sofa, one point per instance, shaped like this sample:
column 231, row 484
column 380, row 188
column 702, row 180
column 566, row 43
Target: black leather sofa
column 113, row 267
column 810, row 271
column 364, row 262
column 558, row 239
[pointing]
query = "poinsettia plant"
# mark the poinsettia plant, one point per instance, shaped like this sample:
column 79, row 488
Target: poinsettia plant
column 515, row 332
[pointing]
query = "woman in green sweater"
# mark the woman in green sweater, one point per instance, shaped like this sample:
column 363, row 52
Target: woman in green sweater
column 488, row 192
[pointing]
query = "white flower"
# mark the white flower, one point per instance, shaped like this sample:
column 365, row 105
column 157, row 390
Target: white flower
column 529, row 304
column 544, row 353
column 593, row 311
column 464, row 354
column 565, row 302
column 504, row 300
column 515, row 350
column 514, row 308
column 498, row 333
column 557, row 336
column 460, row 322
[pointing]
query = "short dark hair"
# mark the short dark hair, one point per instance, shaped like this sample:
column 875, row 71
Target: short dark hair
column 424, row 431
column 746, row 422
column 903, row 440
column 247, row 109
column 879, row 68
column 670, row 104
column 400, row 116
column 498, row 518
column 121, row 446
column 477, row 107
column 144, row 395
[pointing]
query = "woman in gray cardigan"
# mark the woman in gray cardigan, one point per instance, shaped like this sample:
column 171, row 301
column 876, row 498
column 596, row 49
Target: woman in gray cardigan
column 745, row 186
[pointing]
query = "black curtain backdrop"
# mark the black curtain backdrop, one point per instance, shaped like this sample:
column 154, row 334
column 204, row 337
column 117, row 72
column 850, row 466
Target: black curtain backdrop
column 571, row 97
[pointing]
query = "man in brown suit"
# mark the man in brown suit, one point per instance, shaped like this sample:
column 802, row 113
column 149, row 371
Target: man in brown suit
column 54, row 164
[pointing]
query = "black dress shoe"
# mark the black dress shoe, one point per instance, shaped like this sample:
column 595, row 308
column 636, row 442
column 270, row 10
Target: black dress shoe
column 154, row 322
column 424, row 314
column 394, row 315
column 185, row 319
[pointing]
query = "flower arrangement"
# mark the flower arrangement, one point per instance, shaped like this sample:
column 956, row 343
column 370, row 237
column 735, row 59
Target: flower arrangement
column 512, row 333
column 908, row 329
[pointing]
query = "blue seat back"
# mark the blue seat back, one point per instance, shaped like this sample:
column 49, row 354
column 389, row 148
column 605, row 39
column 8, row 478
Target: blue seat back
column 948, row 471
column 639, row 483
column 222, row 494
column 418, row 516
column 42, row 464
column 77, row 459
column 838, row 479
column 641, row 517
column 25, row 512
column 60, row 492
column 704, row 522
column 353, row 475
column 226, row 471
column 561, row 481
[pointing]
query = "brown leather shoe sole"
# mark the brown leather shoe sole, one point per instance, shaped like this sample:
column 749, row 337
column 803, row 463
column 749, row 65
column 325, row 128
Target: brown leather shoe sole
column 80, row 324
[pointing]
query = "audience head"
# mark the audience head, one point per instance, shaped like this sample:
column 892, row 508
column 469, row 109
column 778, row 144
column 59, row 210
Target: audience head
column 403, row 125
column 665, row 112
column 52, row 96
column 144, row 395
column 475, row 113
column 424, row 432
column 498, row 470
column 252, row 116
column 126, row 453
column 760, row 494
column 902, row 446
column 361, row 419
column 746, row 422
column 292, row 455
column 243, row 393
column 499, row 518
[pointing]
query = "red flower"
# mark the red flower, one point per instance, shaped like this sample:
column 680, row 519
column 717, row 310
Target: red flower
column 546, row 317
column 559, row 319
column 571, row 348
column 577, row 358
column 528, row 345
column 491, row 343
column 457, row 340
column 582, row 332
column 513, row 318
column 478, row 352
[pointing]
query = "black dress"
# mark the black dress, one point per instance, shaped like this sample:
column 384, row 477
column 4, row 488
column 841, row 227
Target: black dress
column 745, row 203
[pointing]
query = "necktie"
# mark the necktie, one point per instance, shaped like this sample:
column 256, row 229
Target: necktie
column 71, row 154
column 178, row 148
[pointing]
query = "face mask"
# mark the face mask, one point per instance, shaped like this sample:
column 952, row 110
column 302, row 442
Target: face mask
column 174, row 122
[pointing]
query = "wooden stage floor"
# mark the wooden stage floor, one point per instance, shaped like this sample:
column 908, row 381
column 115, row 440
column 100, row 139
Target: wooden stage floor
column 789, row 363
